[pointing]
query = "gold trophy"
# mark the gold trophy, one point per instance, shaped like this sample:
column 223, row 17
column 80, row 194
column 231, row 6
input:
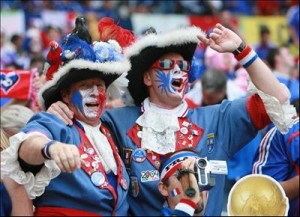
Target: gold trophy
column 257, row 195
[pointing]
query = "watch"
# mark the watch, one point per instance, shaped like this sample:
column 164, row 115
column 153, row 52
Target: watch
column 239, row 49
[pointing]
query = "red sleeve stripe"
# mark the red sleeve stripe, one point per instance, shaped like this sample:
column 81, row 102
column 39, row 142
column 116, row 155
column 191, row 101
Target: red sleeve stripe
column 292, row 137
column 257, row 112
column 263, row 151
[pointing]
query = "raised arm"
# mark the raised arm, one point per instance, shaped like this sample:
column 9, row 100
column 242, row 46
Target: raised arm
column 224, row 40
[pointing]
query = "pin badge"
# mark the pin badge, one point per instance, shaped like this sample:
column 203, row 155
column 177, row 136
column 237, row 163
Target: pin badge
column 139, row 134
column 84, row 156
column 98, row 179
column 139, row 155
column 184, row 130
column 90, row 151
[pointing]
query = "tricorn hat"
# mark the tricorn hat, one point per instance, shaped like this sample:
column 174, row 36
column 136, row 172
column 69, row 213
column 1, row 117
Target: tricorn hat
column 145, row 51
column 82, row 60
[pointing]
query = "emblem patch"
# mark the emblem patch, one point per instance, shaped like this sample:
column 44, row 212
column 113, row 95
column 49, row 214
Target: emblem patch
column 127, row 157
column 134, row 186
column 210, row 142
column 149, row 176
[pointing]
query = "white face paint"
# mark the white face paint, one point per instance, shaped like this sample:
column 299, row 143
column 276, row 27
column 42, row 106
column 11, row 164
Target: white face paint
column 90, row 97
column 89, row 101
column 178, row 81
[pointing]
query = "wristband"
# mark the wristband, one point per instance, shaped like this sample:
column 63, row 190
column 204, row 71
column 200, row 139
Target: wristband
column 246, row 57
column 45, row 150
column 240, row 48
column 185, row 206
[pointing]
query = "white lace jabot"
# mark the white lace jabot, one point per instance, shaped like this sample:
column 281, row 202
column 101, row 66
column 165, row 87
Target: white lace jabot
column 102, row 146
column 159, row 127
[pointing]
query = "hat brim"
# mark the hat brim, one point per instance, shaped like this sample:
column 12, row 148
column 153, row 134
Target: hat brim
column 78, row 70
column 147, row 50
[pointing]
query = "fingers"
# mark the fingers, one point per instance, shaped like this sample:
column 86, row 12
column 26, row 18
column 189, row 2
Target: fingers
column 203, row 39
column 217, row 31
column 219, row 26
column 62, row 111
column 66, row 156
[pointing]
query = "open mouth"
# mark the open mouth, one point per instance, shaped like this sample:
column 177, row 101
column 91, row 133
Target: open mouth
column 92, row 106
column 177, row 84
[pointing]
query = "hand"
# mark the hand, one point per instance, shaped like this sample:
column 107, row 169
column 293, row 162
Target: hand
column 38, row 81
column 222, row 39
column 189, row 180
column 62, row 111
column 66, row 156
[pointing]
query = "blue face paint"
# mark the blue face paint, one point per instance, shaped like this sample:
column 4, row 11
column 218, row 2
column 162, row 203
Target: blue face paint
column 76, row 99
column 164, row 79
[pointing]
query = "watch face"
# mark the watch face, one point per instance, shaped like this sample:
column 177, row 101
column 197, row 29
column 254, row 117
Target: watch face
column 240, row 48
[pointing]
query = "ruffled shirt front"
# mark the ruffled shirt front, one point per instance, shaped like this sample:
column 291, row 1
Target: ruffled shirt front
column 159, row 126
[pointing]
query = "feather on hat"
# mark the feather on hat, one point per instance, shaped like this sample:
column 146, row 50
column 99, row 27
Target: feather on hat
column 83, row 60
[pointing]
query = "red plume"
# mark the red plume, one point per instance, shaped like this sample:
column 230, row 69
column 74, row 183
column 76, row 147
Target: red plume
column 109, row 30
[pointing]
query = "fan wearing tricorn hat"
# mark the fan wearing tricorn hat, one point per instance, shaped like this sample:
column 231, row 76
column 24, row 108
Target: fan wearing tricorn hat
column 161, row 122
column 73, row 170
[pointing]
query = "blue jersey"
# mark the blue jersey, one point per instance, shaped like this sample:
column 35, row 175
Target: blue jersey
column 278, row 157
column 76, row 190
column 291, row 84
column 217, row 132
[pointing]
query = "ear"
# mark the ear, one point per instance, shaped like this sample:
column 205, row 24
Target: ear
column 163, row 189
column 64, row 95
column 147, row 79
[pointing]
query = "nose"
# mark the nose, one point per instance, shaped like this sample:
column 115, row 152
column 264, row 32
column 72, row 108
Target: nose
column 95, row 91
column 176, row 69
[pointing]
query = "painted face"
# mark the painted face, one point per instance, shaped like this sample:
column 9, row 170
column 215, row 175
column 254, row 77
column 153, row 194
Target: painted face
column 88, row 98
column 169, row 78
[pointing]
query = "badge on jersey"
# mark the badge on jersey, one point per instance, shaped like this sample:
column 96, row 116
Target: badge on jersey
column 149, row 176
column 134, row 186
column 210, row 142
column 139, row 155
column 98, row 179
column 127, row 157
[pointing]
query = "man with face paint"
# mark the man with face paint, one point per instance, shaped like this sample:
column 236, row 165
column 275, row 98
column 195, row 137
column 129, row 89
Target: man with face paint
column 161, row 123
column 73, row 170
column 177, row 177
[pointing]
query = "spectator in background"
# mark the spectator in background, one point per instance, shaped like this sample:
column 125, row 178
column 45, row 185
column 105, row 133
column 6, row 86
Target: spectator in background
column 14, row 198
column 224, row 62
column 278, row 157
column 267, row 8
column 14, row 117
column 293, row 24
column 264, row 45
column 212, row 89
column 282, row 63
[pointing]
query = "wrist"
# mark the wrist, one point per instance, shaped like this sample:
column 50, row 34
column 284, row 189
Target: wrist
column 246, row 56
column 187, row 206
column 45, row 151
column 240, row 48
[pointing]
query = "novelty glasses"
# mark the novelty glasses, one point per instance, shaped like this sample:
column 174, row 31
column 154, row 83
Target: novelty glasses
column 168, row 64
